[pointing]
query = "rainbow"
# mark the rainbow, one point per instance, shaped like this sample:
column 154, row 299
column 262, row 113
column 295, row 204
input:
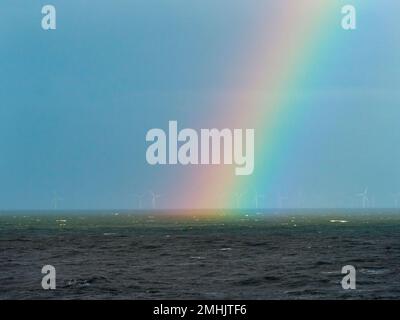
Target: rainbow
column 292, row 40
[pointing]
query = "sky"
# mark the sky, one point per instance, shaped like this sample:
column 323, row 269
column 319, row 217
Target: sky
column 76, row 102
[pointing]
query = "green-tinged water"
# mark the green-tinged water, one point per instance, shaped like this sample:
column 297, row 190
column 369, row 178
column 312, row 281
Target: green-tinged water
column 210, row 255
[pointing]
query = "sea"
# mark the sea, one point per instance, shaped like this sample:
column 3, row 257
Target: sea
column 246, row 254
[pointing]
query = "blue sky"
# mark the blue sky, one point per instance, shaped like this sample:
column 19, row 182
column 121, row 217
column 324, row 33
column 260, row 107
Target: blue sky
column 76, row 103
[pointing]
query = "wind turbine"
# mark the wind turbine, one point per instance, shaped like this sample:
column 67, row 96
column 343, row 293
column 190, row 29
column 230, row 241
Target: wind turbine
column 281, row 200
column 364, row 198
column 258, row 196
column 55, row 200
column 300, row 199
column 396, row 197
column 238, row 196
column 154, row 197
column 372, row 204
column 139, row 197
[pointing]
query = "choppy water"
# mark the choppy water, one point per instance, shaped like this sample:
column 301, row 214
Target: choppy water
column 128, row 256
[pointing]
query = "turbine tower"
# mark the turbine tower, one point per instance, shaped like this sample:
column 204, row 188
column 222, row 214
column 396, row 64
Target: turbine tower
column 258, row 196
column 55, row 200
column 364, row 198
column 281, row 199
column 300, row 199
column 154, row 197
column 396, row 197
column 238, row 196
column 139, row 198
column 372, row 202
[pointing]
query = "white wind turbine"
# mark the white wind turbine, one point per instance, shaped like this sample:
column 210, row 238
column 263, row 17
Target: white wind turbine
column 154, row 197
column 300, row 199
column 281, row 200
column 396, row 197
column 139, row 198
column 372, row 202
column 238, row 197
column 364, row 198
column 258, row 196
column 55, row 200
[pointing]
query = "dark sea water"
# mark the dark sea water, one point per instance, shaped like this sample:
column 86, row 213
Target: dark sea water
column 292, row 255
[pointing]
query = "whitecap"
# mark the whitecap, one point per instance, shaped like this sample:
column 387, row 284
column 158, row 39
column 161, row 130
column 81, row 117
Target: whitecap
column 338, row 221
column 374, row 271
column 329, row 272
